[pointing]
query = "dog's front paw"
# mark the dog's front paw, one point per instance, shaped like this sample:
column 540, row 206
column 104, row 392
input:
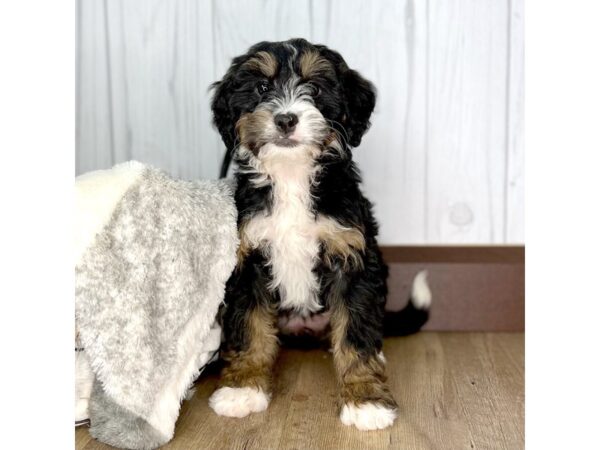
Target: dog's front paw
column 368, row 416
column 238, row 402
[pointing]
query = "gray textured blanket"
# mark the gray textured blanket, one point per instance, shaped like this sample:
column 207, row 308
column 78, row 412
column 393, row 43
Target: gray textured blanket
column 152, row 258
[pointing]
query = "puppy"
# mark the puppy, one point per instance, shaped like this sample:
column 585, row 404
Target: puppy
column 290, row 114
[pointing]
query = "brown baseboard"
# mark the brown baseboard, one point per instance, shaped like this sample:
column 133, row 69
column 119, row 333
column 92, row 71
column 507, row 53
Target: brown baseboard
column 475, row 288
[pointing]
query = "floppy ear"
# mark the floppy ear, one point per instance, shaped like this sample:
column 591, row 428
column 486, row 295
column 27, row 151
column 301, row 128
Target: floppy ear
column 360, row 100
column 222, row 114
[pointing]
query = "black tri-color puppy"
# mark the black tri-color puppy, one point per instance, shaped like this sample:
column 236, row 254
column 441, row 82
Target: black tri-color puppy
column 290, row 114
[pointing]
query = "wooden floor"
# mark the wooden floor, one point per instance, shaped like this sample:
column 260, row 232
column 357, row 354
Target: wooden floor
column 455, row 391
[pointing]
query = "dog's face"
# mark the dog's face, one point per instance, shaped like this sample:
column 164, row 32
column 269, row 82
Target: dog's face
column 292, row 93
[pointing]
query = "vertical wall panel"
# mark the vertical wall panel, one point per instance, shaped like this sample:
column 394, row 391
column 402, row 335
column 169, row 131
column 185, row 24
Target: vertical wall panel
column 149, row 98
column 142, row 70
column 443, row 159
column 94, row 113
column 466, row 136
column 515, row 195
column 164, row 63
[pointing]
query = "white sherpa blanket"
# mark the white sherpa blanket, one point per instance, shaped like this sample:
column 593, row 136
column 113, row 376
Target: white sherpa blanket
column 153, row 255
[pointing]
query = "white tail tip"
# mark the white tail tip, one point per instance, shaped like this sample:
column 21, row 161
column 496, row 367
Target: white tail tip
column 420, row 294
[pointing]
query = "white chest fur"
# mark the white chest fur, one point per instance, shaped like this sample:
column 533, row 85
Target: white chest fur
column 289, row 233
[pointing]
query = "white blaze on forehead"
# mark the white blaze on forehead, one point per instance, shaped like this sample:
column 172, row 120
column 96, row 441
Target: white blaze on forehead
column 290, row 92
column 294, row 51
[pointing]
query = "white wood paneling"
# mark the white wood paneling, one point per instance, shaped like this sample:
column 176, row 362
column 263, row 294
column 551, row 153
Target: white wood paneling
column 466, row 133
column 515, row 183
column 94, row 112
column 156, row 59
column 443, row 159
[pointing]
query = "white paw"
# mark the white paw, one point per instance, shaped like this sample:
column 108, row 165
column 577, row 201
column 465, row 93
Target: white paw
column 367, row 416
column 238, row 402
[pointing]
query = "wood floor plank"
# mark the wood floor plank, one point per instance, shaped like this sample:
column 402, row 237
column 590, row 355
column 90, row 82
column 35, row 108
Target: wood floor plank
column 455, row 390
column 416, row 377
column 82, row 436
column 474, row 384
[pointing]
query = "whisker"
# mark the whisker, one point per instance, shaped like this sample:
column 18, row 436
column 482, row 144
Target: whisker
column 340, row 136
column 343, row 128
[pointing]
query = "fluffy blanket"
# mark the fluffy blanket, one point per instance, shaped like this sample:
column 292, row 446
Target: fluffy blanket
column 152, row 258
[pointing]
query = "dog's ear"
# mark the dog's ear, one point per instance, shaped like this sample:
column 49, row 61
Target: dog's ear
column 222, row 113
column 359, row 94
column 360, row 100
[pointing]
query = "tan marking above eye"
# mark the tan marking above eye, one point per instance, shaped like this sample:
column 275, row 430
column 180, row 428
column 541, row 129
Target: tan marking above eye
column 313, row 64
column 264, row 62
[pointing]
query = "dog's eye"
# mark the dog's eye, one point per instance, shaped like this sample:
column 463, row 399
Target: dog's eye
column 315, row 90
column 263, row 86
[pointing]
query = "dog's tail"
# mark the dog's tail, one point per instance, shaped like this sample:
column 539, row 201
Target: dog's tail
column 413, row 316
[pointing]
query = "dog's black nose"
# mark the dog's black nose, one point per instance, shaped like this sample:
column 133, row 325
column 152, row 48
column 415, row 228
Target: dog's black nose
column 286, row 122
